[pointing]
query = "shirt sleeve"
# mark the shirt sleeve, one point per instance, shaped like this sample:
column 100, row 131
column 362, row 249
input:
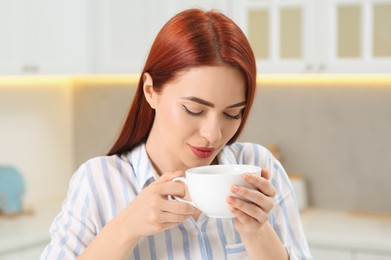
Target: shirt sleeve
column 73, row 228
column 285, row 216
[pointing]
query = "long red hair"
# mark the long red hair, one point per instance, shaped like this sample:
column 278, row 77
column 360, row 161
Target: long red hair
column 192, row 38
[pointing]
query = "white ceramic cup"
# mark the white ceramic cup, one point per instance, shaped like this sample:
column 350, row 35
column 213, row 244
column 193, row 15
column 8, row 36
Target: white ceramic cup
column 209, row 186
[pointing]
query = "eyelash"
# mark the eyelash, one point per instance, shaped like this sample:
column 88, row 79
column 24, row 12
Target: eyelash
column 191, row 112
column 236, row 117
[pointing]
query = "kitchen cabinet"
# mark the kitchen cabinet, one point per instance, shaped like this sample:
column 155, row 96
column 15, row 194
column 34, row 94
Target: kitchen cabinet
column 347, row 235
column 28, row 253
column 43, row 37
column 103, row 36
column 327, row 253
column 12, row 38
column 73, row 37
column 304, row 36
column 123, row 31
column 320, row 253
column 372, row 256
column 23, row 237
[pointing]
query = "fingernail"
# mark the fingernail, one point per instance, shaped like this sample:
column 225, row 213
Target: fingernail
column 230, row 200
column 235, row 188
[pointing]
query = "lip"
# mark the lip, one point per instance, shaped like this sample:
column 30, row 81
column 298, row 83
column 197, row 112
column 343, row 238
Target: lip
column 202, row 152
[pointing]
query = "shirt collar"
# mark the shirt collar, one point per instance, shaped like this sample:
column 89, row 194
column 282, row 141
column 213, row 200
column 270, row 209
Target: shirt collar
column 226, row 156
column 144, row 171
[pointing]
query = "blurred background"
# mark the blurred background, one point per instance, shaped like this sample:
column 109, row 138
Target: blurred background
column 68, row 71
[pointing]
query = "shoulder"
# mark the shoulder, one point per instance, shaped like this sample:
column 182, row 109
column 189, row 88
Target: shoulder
column 98, row 170
column 97, row 165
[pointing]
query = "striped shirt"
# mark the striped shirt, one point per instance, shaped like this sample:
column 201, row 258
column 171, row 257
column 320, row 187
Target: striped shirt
column 104, row 186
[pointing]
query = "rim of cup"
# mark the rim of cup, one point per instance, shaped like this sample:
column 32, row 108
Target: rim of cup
column 241, row 168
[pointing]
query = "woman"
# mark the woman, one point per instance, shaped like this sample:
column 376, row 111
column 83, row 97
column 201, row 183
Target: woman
column 192, row 101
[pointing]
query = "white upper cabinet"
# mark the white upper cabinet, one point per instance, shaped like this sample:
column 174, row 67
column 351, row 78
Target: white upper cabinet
column 123, row 31
column 12, row 36
column 43, row 37
column 318, row 36
column 120, row 34
column 106, row 36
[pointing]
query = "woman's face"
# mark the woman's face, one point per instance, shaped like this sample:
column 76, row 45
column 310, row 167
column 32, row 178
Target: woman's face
column 195, row 116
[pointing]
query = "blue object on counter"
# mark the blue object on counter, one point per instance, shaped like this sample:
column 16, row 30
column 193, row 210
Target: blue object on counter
column 12, row 188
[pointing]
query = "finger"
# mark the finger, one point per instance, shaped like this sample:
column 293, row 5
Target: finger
column 265, row 174
column 172, row 188
column 245, row 219
column 169, row 218
column 248, row 209
column 169, row 176
column 164, row 221
column 177, row 207
column 262, row 184
column 240, row 215
column 257, row 198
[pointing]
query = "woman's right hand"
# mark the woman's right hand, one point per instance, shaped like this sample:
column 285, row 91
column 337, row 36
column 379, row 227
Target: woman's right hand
column 151, row 211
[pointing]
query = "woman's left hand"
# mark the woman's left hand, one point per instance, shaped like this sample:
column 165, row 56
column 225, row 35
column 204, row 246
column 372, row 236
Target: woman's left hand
column 250, row 216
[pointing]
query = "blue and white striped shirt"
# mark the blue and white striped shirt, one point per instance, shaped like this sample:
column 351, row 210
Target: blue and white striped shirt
column 104, row 186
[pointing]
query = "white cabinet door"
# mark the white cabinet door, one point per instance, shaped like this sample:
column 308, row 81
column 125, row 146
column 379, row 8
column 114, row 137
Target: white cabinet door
column 358, row 36
column 278, row 32
column 372, row 256
column 122, row 33
column 43, row 37
column 13, row 20
column 332, row 36
column 328, row 254
column 59, row 36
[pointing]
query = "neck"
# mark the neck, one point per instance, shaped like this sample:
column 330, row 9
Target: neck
column 162, row 160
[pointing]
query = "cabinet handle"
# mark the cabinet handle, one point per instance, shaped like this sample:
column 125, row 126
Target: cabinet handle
column 321, row 67
column 309, row 67
column 30, row 68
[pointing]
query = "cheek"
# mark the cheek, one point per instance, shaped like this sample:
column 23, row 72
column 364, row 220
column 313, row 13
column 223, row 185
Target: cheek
column 231, row 128
column 174, row 119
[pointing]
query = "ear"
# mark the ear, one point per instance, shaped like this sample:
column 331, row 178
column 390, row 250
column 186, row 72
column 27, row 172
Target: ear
column 149, row 93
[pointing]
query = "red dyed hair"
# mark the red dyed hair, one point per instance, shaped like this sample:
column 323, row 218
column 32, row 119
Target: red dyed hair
column 192, row 38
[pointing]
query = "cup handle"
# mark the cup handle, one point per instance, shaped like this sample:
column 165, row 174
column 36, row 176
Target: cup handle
column 181, row 179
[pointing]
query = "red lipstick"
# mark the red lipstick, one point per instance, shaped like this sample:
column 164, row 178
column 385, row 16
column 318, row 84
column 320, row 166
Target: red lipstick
column 202, row 152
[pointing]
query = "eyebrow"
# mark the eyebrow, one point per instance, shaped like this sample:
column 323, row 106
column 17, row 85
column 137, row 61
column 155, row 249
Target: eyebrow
column 209, row 104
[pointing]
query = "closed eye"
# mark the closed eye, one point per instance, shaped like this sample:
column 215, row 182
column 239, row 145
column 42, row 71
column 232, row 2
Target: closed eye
column 188, row 111
column 234, row 117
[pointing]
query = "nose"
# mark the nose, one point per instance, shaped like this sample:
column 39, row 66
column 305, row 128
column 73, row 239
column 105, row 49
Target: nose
column 211, row 130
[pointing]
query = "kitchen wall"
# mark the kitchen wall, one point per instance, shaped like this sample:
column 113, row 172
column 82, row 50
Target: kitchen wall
column 36, row 136
column 100, row 109
column 336, row 136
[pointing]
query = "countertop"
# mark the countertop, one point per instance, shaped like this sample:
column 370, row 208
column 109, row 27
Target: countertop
column 336, row 229
column 28, row 229
column 348, row 230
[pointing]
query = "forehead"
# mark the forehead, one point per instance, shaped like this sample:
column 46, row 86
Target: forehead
column 212, row 83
